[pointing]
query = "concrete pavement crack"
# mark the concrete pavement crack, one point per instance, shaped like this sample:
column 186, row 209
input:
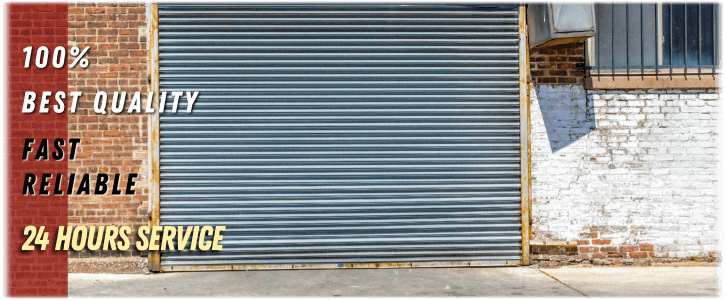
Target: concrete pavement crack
column 565, row 284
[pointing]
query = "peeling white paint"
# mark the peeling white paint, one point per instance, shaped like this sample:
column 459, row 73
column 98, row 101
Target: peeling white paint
column 637, row 167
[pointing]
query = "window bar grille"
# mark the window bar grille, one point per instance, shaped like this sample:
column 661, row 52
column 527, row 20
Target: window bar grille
column 685, row 39
column 670, row 37
column 612, row 39
column 655, row 25
column 699, row 39
column 597, row 37
column 642, row 43
column 627, row 39
column 661, row 31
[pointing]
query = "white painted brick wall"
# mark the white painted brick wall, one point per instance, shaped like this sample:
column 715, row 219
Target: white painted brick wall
column 637, row 167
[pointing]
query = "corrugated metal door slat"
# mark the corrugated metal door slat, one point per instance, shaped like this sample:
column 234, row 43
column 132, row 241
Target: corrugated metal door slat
column 342, row 134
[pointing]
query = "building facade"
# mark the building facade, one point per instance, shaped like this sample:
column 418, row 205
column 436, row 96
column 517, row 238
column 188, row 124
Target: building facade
column 623, row 167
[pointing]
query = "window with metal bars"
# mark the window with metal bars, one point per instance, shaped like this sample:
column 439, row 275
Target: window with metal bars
column 654, row 39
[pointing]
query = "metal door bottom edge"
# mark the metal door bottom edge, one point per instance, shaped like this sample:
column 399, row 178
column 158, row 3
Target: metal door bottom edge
column 381, row 265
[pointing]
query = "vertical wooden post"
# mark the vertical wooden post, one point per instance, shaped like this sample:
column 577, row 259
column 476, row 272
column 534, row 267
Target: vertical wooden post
column 152, row 19
column 525, row 176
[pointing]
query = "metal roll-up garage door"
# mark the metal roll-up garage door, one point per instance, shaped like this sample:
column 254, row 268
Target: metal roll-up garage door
column 338, row 135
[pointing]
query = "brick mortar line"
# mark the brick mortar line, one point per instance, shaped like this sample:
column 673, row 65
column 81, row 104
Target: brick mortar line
column 565, row 284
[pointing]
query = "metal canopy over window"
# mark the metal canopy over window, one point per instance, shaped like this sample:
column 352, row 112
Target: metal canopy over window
column 343, row 134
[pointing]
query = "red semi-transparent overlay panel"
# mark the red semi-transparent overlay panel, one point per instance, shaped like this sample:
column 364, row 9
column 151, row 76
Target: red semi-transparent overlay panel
column 34, row 273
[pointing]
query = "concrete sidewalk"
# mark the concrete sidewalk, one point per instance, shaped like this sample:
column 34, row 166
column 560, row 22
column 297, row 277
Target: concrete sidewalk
column 510, row 281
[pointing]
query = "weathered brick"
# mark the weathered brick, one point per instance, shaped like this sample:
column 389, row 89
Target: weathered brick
column 76, row 25
column 609, row 249
column 628, row 248
column 554, row 73
column 598, row 256
column 94, row 10
column 561, row 61
column 588, row 235
column 605, row 162
column 105, row 146
column 638, row 254
column 646, row 248
column 581, row 249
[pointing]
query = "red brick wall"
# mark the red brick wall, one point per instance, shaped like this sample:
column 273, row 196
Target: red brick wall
column 111, row 143
column 558, row 64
